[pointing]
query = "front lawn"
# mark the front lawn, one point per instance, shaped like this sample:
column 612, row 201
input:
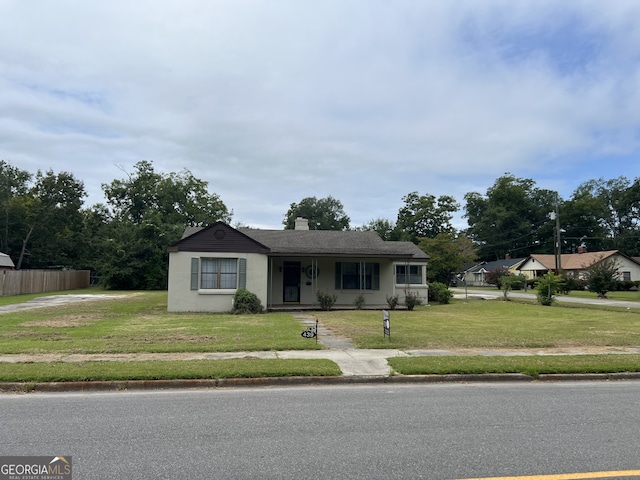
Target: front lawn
column 488, row 324
column 139, row 322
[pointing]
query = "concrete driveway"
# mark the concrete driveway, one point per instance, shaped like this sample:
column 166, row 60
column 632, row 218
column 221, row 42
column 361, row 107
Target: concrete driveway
column 53, row 300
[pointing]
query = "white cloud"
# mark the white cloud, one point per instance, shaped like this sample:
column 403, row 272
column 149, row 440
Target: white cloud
column 273, row 101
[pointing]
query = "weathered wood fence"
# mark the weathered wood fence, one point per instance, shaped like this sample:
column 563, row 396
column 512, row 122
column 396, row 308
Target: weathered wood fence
column 18, row 282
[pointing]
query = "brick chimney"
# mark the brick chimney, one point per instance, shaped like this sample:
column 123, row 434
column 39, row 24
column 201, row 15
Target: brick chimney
column 582, row 248
column 507, row 256
column 302, row 224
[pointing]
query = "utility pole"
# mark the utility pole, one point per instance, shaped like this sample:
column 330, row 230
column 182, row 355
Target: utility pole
column 559, row 248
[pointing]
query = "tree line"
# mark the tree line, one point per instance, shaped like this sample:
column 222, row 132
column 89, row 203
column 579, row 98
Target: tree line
column 44, row 223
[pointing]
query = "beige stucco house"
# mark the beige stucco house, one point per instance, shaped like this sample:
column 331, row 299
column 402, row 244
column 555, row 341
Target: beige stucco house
column 286, row 268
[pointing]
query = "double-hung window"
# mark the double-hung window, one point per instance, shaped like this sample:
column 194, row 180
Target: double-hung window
column 209, row 273
column 408, row 274
column 357, row 276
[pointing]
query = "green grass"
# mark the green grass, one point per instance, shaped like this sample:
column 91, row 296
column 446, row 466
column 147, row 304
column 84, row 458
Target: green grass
column 620, row 296
column 488, row 324
column 529, row 365
column 161, row 370
column 140, row 322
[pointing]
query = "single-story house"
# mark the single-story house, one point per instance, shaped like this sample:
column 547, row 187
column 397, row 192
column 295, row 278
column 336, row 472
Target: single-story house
column 475, row 275
column 575, row 264
column 288, row 267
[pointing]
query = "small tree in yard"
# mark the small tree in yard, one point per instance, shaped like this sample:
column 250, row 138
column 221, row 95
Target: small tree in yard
column 548, row 286
column 510, row 282
column 601, row 277
column 493, row 277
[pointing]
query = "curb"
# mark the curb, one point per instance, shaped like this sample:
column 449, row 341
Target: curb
column 146, row 385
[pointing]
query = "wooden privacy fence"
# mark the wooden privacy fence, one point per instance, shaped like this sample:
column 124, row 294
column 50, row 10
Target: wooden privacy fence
column 18, row 282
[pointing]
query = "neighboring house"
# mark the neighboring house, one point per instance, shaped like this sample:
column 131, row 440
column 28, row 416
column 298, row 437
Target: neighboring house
column 476, row 275
column 289, row 267
column 575, row 264
column 5, row 262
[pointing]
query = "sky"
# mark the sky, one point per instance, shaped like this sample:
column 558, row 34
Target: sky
column 273, row 101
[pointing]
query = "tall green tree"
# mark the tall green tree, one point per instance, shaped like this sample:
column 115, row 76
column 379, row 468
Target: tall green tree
column 176, row 198
column 512, row 217
column 606, row 215
column 323, row 214
column 426, row 216
column 52, row 221
column 448, row 253
column 14, row 185
column 149, row 211
column 383, row 227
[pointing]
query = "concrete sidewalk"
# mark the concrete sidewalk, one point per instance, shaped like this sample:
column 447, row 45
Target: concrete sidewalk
column 352, row 362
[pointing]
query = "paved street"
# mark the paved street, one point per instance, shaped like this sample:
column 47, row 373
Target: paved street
column 358, row 432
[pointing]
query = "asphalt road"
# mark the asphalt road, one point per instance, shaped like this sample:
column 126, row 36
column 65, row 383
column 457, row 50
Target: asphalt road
column 476, row 293
column 358, row 432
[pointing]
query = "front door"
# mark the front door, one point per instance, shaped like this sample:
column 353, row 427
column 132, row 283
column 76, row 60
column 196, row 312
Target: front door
column 291, row 282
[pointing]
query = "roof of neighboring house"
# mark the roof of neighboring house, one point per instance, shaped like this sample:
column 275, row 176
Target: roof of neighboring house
column 574, row 261
column 5, row 261
column 506, row 263
column 322, row 242
column 471, row 267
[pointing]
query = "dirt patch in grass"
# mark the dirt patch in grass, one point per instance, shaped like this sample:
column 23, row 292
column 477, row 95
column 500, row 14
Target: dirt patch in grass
column 68, row 321
column 152, row 339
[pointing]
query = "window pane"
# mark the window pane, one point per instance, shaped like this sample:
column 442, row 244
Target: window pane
column 208, row 273
column 219, row 273
column 350, row 276
column 415, row 276
column 228, row 273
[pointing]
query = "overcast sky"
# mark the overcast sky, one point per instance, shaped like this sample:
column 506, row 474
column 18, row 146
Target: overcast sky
column 273, row 101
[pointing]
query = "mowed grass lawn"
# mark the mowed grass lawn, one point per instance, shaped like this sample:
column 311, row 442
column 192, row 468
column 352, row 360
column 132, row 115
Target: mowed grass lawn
column 139, row 322
column 489, row 324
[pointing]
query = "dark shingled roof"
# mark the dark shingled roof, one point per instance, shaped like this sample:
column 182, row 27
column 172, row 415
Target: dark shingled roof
column 332, row 242
column 327, row 243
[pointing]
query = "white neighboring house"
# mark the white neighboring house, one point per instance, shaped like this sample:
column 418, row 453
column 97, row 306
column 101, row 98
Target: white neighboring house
column 576, row 264
column 286, row 268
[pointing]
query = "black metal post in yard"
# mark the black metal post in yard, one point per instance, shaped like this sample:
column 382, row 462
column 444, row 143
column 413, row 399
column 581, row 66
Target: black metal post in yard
column 386, row 325
column 316, row 330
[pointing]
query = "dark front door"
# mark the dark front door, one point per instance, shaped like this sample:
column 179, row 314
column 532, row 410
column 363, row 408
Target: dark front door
column 291, row 282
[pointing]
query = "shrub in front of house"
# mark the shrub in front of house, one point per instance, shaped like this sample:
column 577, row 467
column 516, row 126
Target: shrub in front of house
column 326, row 300
column 493, row 276
column 440, row 293
column 359, row 302
column 246, row 302
column 412, row 299
column 392, row 301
